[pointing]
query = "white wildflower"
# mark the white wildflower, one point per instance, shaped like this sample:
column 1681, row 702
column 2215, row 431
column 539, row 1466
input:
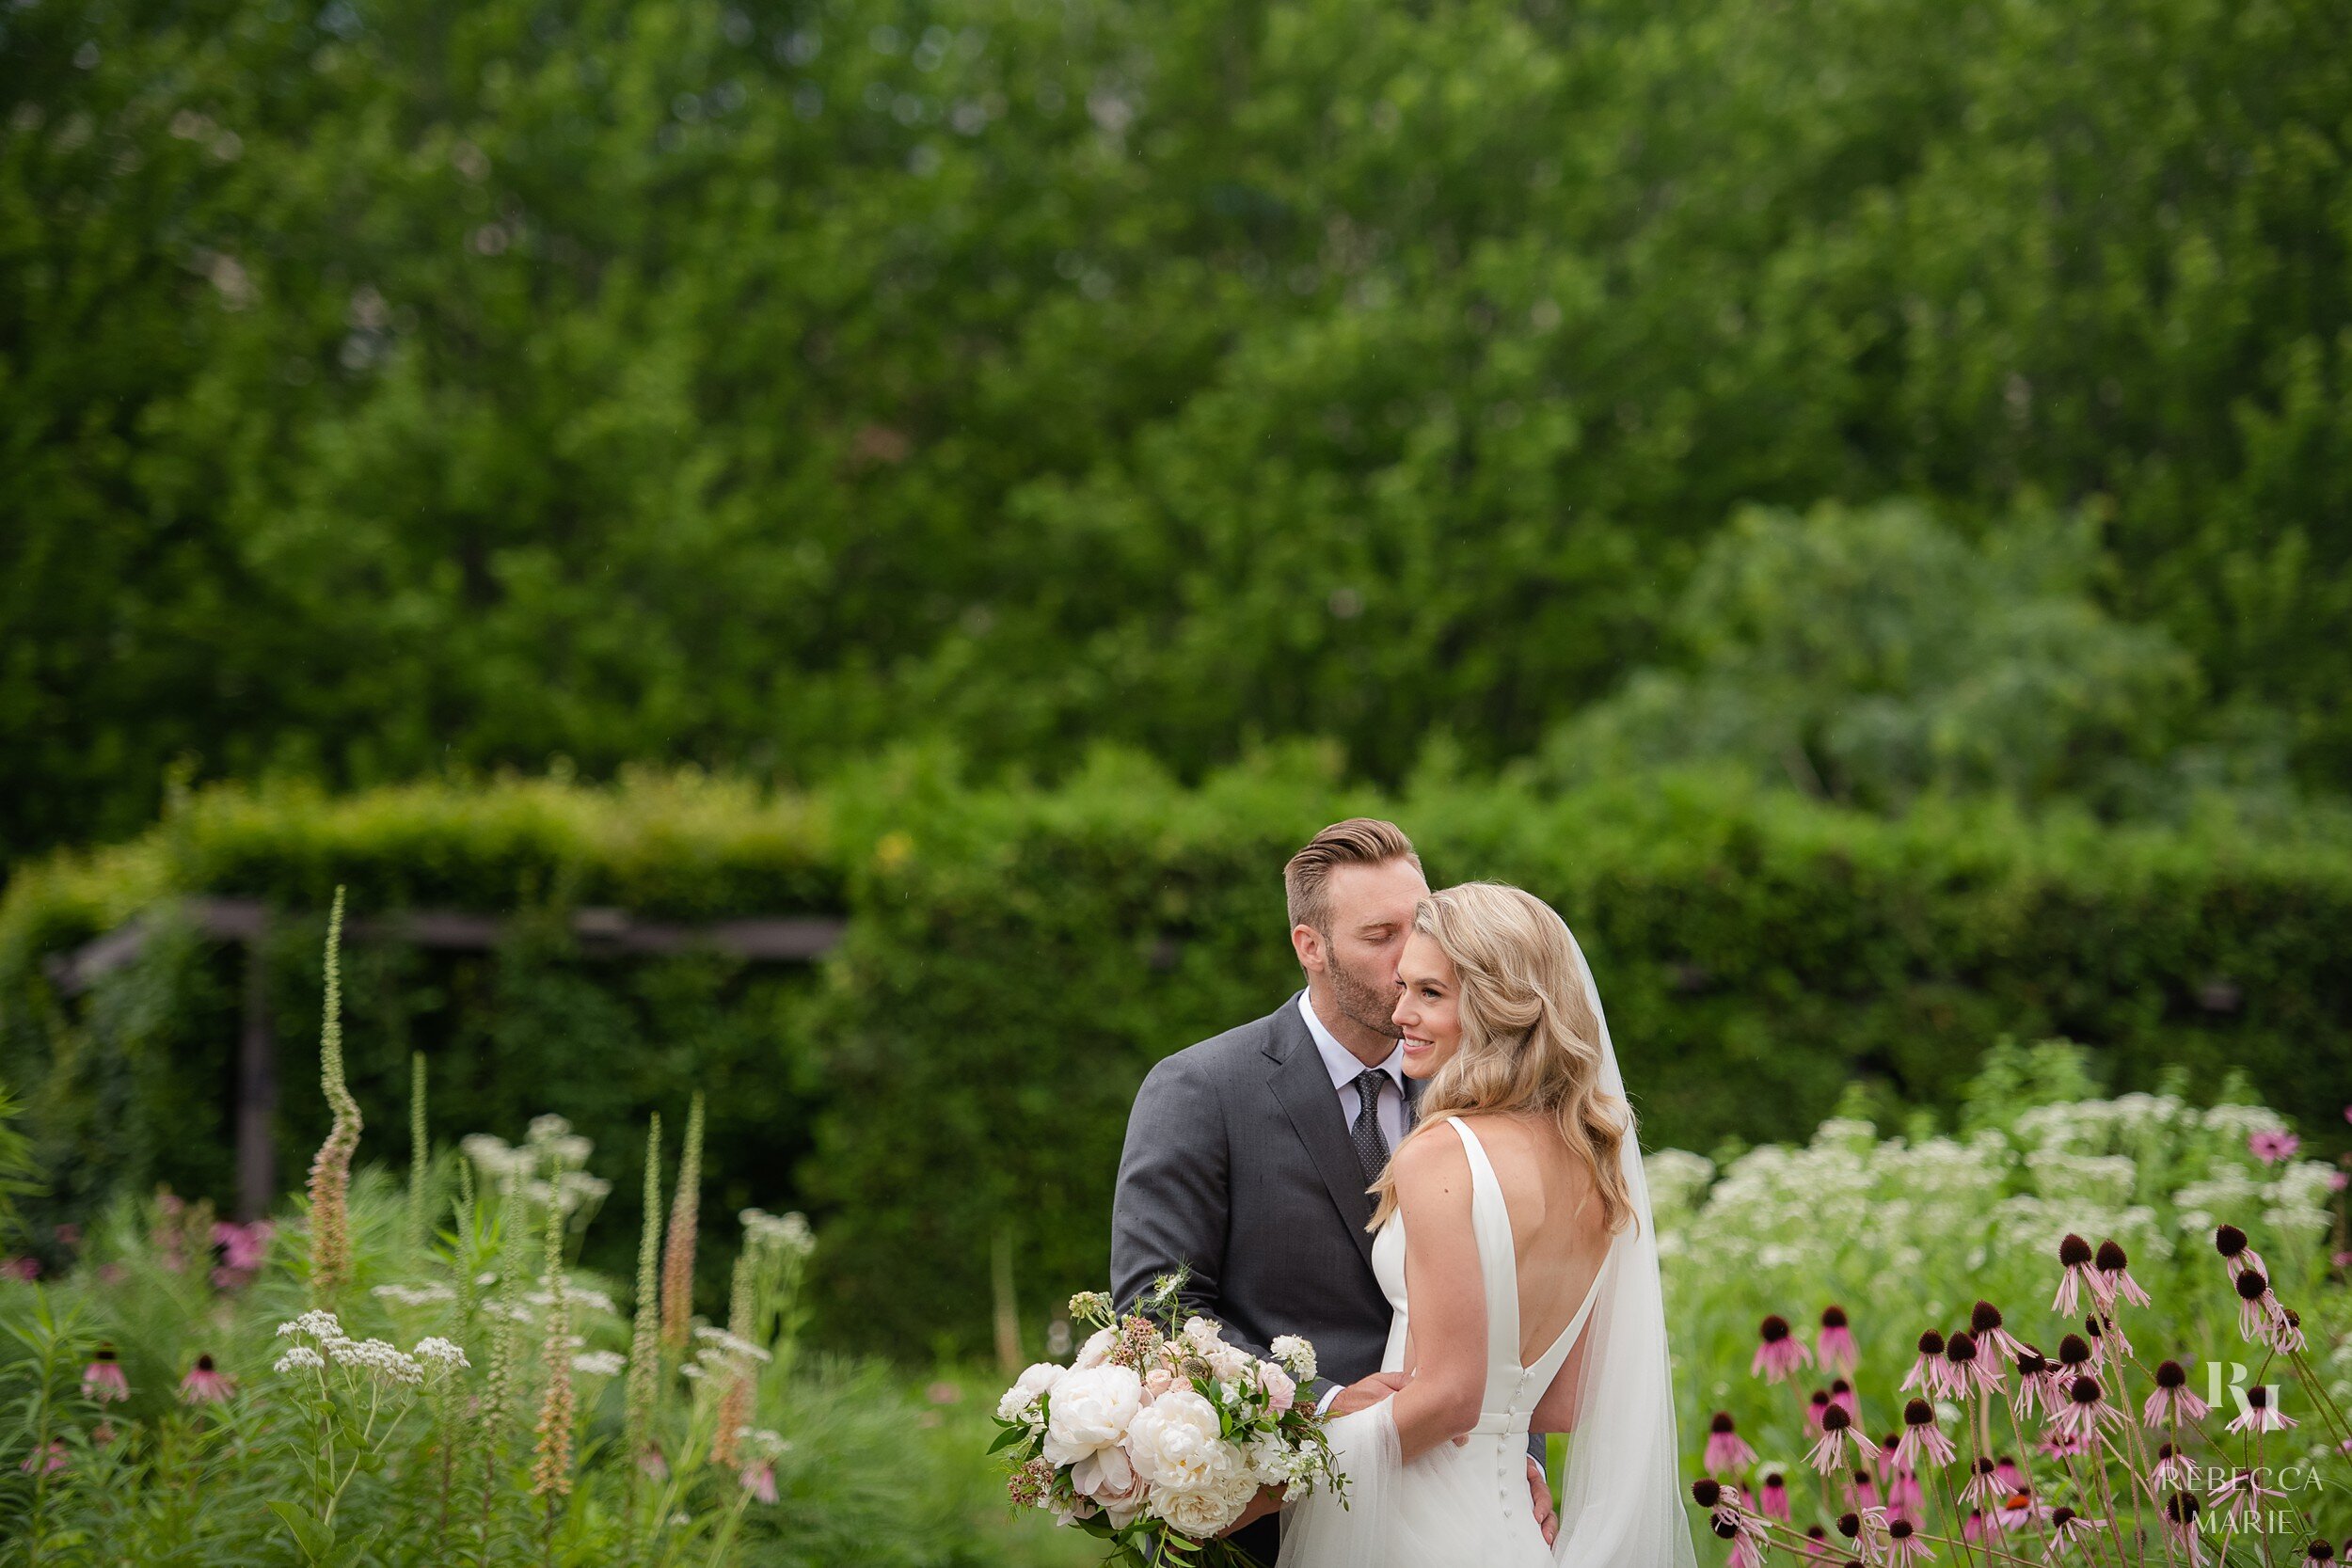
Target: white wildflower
column 434, row 1351
column 301, row 1358
column 318, row 1325
column 725, row 1344
column 385, row 1362
column 1295, row 1355
column 431, row 1293
column 600, row 1363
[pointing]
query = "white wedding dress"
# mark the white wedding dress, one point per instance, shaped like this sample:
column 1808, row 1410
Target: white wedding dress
column 1466, row 1505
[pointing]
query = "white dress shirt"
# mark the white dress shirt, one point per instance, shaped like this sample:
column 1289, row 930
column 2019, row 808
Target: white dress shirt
column 1345, row 1068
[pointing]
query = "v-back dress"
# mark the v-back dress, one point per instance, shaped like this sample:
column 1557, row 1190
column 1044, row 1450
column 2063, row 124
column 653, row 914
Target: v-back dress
column 1458, row 1504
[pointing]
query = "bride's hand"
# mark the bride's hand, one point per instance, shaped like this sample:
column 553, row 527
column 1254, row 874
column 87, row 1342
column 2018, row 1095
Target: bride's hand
column 1364, row 1395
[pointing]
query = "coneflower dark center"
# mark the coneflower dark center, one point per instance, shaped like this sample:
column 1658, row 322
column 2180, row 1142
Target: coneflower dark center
column 2229, row 1241
column 2169, row 1375
column 2111, row 1257
column 1774, row 1329
column 1918, row 1413
column 1723, row 1419
column 2074, row 1251
column 2251, row 1284
column 2085, row 1391
column 1834, row 1418
column 1986, row 1317
column 1832, row 1317
column 2061, row 1516
column 1962, row 1347
column 1706, row 1491
column 1930, row 1343
column 2073, row 1351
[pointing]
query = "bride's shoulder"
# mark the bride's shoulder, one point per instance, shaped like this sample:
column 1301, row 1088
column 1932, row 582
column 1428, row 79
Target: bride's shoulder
column 1432, row 1158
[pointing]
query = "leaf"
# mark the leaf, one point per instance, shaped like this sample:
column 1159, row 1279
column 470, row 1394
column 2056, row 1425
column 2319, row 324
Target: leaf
column 314, row 1538
column 1008, row 1437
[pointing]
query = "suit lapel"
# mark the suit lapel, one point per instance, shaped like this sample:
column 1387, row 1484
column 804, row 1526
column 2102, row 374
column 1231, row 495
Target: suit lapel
column 1303, row 1088
column 1412, row 1100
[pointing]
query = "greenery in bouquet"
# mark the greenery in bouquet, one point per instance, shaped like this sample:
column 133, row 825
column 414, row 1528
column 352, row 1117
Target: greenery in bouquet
column 1159, row 1434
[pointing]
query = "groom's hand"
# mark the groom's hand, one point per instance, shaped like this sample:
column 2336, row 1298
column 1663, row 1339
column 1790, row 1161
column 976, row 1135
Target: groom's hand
column 1364, row 1395
column 1545, row 1519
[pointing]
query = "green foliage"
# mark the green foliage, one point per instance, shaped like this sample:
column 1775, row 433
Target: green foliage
column 1873, row 656
column 391, row 388
column 1015, row 960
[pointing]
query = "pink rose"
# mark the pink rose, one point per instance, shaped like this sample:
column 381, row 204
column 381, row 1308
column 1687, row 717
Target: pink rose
column 1281, row 1390
column 1158, row 1381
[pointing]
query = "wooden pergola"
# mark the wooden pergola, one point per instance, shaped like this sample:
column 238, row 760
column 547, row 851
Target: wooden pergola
column 606, row 933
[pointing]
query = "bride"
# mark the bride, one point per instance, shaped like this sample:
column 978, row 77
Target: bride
column 1513, row 1242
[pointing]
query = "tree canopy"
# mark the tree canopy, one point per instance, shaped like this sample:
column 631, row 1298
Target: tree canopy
column 389, row 387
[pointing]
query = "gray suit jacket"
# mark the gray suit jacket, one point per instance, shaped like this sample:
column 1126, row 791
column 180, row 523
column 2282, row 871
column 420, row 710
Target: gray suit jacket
column 1238, row 1164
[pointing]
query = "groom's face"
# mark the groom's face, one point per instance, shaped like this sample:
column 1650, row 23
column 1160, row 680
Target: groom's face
column 1372, row 915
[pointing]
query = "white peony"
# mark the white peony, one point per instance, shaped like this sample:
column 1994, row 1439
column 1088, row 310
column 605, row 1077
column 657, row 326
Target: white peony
column 1201, row 1514
column 1106, row 1477
column 1296, row 1354
column 1020, row 1401
column 1092, row 1410
column 1175, row 1444
column 1095, row 1351
column 1269, row 1459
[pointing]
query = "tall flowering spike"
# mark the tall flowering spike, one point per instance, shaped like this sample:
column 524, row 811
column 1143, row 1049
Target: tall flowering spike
column 552, row 1473
column 330, row 1170
column 420, row 1151
column 645, row 1343
column 677, row 1257
column 498, row 1404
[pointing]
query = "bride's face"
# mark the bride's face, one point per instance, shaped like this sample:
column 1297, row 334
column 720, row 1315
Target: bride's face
column 1427, row 1007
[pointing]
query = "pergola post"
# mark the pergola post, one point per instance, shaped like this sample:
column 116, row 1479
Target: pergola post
column 257, row 1088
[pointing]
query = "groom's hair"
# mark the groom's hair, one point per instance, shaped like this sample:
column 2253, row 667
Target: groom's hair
column 1358, row 840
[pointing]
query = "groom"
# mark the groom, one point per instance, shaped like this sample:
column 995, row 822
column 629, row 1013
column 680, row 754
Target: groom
column 1248, row 1155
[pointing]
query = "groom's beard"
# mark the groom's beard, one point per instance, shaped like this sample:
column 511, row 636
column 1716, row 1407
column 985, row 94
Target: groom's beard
column 1363, row 1001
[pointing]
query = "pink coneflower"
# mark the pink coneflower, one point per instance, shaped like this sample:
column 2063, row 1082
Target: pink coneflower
column 26, row 1268
column 2172, row 1467
column 2034, row 1393
column 102, row 1379
column 1927, row 1369
column 1923, row 1442
column 2086, row 1410
column 1816, row 1547
column 652, row 1463
column 1841, row 1392
column 2242, row 1495
column 2257, row 1308
column 2320, row 1554
column 1904, row 1544
column 2229, row 1241
column 1864, row 1492
column 2260, row 1415
column 2173, row 1401
column 2285, row 1334
column 2068, row 1528
column 2075, row 1257
column 1814, row 1410
column 1974, row 1529
column 1868, row 1530
column 1983, row 1485
column 1966, row 1371
column 2181, row 1523
column 1905, row 1492
column 47, row 1460
column 2273, row 1146
column 2114, row 1349
column 1778, row 1353
column 1888, row 1461
column 760, row 1482
column 2112, row 1276
column 1985, row 1322
column 1772, row 1496
column 1726, row 1449
column 1831, row 1452
column 2061, row 1444
column 1835, row 1343
column 204, row 1385
column 2338, row 1180
column 2005, row 1470
column 2018, row 1509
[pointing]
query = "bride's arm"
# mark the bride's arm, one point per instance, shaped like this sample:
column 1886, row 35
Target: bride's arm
column 1448, row 1296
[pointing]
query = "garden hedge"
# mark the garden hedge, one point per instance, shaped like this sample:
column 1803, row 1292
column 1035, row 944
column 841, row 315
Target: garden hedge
column 957, row 1070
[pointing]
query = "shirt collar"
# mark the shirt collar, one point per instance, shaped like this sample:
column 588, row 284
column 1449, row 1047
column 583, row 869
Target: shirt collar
column 1338, row 1060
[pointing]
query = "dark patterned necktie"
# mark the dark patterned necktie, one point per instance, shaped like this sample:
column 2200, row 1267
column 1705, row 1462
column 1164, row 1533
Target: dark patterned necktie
column 1370, row 1147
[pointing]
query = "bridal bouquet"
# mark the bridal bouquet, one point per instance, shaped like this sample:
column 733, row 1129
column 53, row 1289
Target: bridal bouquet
column 1157, row 1435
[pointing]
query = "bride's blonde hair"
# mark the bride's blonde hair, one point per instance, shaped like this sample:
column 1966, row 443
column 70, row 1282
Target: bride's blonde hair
column 1530, row 1040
